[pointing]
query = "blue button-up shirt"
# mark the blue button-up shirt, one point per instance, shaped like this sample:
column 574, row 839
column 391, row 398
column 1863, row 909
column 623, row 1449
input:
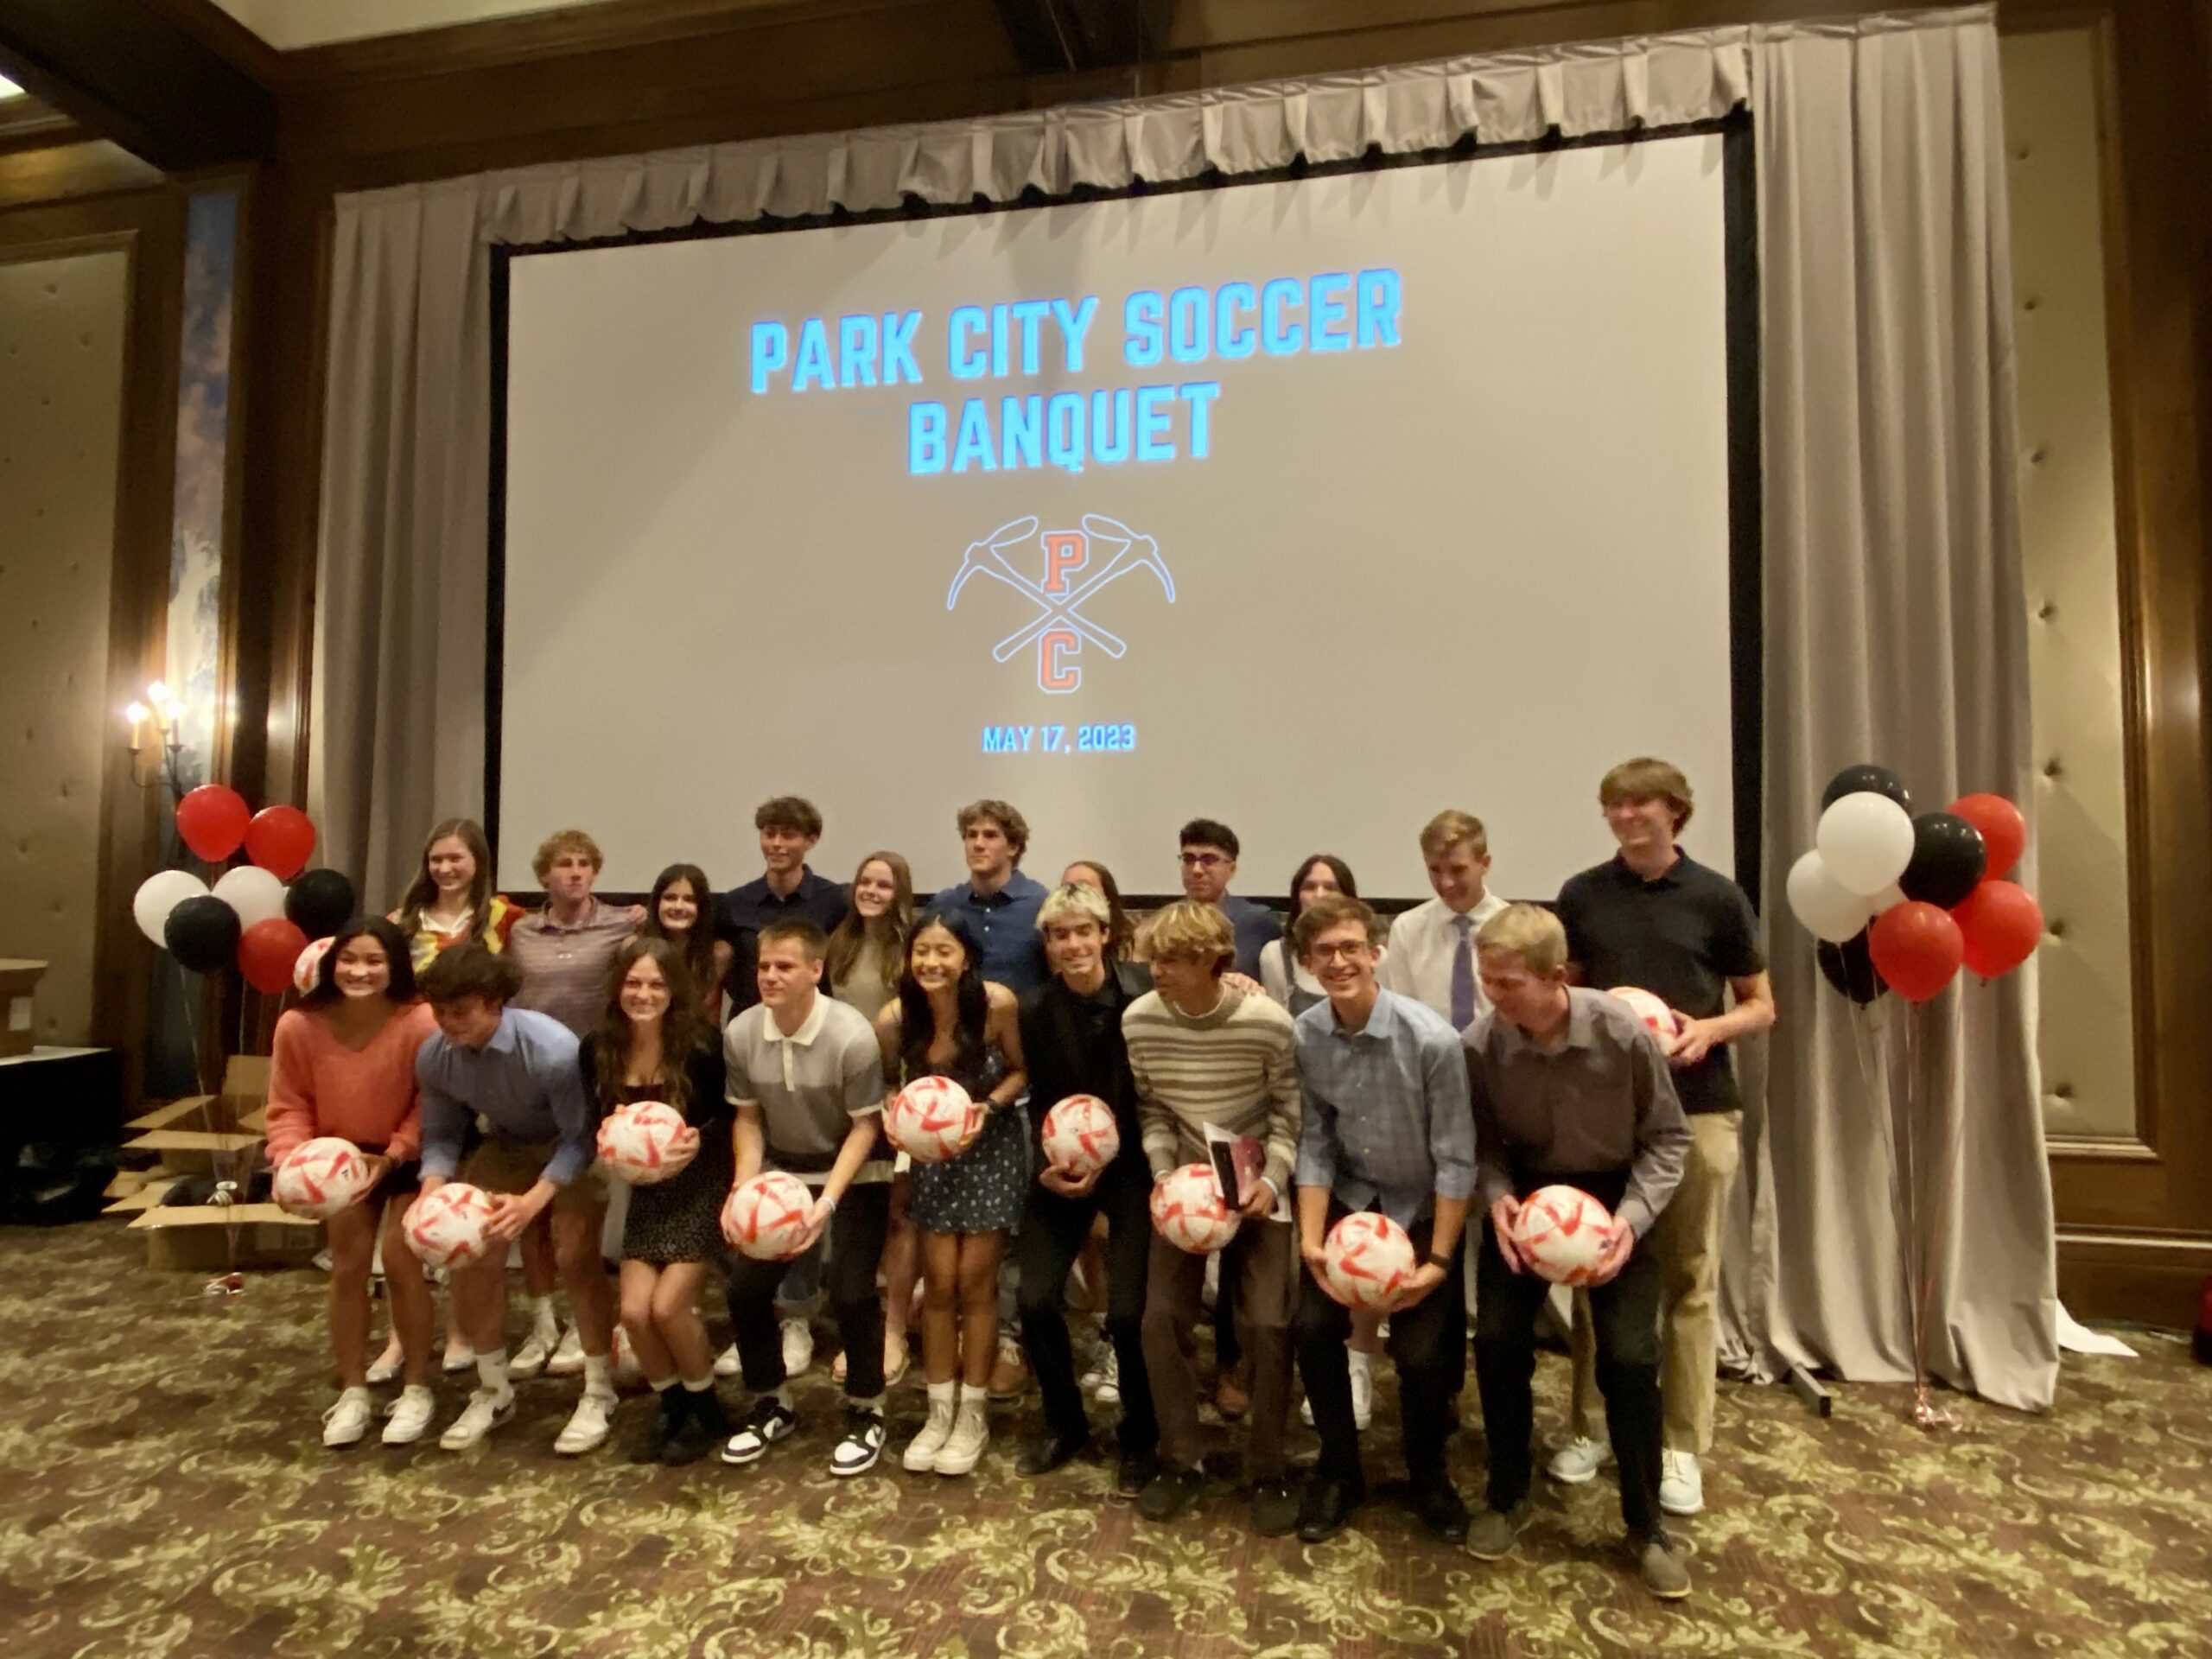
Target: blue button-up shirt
column 1256, row 926
column 527, row 1083
column 1005, row 925
column 1388, row 1122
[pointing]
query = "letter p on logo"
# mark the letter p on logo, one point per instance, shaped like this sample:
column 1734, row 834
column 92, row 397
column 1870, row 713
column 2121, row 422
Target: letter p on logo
column 1065, row 550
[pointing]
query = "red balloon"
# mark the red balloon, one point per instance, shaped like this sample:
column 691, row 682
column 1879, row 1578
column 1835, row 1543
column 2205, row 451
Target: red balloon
column 2001, row 923
column 267, row 951
column 212, row 819
column 1916, row 947
column 2004, row 831
column 279, row 840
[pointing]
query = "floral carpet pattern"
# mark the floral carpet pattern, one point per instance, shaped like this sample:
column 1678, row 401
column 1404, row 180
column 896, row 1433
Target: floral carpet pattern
column 164, row 1494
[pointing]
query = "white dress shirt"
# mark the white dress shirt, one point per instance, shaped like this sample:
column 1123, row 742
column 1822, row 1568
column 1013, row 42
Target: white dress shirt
column 1419, row 963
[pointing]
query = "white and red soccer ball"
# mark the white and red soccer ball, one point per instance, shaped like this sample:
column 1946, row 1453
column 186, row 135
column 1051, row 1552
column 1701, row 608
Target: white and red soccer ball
column 932, row 1119
column 445, row 1228
column 1368, row 1259
column 767, row 1216
column 1561, row 1234
column 1659, row 1020
column 1081, row 1136
column 1188, row 1212
column 307, row 970
column 645, row 1143
column 322, row 1177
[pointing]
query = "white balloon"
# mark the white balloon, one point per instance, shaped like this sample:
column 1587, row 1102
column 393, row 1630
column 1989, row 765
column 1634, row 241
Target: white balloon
column 1865, row 840
column 252, row 892
column 1887, row 898
column 159, row 894
column 1830, row 911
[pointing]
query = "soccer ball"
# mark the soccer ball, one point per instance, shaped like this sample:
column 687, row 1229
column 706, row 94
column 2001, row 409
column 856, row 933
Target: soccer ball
column 766, row 1217
column 1561, row 1233
column 308, row 967
column 1659, row 1020
column 1187, row 1210
column 320, row 1177
column 932, row 1119
column 1367, row 1258
column 446, row 1228
column 1081, row 1135
column 646, row 1143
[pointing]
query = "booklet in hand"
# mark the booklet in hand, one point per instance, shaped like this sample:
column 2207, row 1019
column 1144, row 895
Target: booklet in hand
column 1238, row 1162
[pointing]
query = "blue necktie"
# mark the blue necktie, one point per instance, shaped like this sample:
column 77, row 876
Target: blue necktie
column 1462, row 974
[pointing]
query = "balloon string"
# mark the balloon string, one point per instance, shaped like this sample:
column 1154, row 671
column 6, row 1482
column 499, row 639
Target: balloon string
column 1949, row 1132
column 1874, row 1076
column 1911, row 1240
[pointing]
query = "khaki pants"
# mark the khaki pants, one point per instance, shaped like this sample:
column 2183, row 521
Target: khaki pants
column 1686, row 1242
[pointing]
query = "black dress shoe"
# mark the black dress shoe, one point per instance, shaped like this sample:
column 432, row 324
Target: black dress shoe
column 1275, row 1508
column 1328, row 1503
column 1135, row 1468
column 1044, row 1452
column 660, row 1428
column 1442, row 1511
column 1168, row 1493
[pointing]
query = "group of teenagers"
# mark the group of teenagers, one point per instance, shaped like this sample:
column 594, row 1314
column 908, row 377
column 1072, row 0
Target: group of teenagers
column 1438, row 1069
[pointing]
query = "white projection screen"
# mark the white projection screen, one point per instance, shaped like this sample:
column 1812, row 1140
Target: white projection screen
column 1314, row 506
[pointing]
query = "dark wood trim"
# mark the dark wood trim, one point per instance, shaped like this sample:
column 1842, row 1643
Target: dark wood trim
column 149, row 227
column 58, row 172
column 2153, row 1278
column 26, row 123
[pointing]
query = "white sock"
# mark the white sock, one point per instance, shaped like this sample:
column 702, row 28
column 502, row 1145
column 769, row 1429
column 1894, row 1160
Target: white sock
column 944, row 1394
column 663, row 1386
column 599, row 1374
column 782, row 1396
column 699, row 1385
column 544, row 1321
column 363, row 1391
column 873, row 1404
column 491, row 1372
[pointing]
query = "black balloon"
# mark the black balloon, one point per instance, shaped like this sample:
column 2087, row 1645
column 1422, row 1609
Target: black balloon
column 1850, row 967
column 1949, row 860
column 202, row 933
column 318, row 902
column 1865, row 780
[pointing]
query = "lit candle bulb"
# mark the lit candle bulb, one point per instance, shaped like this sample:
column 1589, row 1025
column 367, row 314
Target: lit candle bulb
column 136, row 713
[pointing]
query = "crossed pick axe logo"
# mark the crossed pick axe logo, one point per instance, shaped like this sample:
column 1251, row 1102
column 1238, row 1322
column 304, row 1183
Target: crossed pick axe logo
column 1060, row 629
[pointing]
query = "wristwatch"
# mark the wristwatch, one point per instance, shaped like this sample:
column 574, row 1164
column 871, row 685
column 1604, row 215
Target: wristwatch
column 1442, row 1263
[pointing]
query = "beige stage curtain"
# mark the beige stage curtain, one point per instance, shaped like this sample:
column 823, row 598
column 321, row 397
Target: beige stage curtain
column 1889, row 477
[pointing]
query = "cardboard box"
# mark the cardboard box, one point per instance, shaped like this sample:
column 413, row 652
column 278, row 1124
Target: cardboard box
column 19, row 978
column 200, row 1235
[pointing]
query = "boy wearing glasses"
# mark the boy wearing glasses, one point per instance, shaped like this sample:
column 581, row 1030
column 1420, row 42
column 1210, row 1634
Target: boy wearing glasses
column 1209, row 850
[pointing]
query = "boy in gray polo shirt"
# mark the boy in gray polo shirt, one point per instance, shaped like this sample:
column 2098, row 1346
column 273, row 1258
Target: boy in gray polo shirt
column 806, row 1078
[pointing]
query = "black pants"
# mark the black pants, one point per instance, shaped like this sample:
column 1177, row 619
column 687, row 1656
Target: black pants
column 856, row 1234
column 1624, row 1317
column 1429, row 1345
column 1053, row 1232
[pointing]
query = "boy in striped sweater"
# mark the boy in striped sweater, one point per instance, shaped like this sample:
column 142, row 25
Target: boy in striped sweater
column 1204, row 1053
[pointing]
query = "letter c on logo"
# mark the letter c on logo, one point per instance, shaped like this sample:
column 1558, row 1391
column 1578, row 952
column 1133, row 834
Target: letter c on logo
column 1052, row 674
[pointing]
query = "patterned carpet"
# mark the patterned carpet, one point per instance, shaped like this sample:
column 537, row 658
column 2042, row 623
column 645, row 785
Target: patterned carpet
column 166, row 1493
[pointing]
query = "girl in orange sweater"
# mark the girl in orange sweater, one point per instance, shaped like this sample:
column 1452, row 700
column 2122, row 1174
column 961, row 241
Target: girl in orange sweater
column 344, row 1065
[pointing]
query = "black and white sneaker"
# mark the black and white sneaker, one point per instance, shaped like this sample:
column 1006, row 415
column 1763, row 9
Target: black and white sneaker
column 765, row 1424
column 862, row 1444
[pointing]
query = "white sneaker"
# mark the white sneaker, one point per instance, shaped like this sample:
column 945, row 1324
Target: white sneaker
column 388, row 1364
column 1579, row 1460
column 799, row 1348
column 460, row 1357
column 863, row 1443
column 765, row 1424
column 971, row 1433
column 586, row 1429
column 921, row 1454
column 530, row 1358
column 627, row 1373
column 346, row 1422
column 568, row 1358
column 410, row 1417
column 1363, row 1389
column 1681, row 1485
column 484, row 1412
column 727, row 1363
column 1108, row 1389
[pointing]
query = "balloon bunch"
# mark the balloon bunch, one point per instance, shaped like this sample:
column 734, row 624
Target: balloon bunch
column 250, row 917
column 1902, row 903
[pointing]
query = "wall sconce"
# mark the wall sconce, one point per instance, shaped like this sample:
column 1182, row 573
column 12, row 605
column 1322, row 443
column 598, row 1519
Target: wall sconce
column 164, row 710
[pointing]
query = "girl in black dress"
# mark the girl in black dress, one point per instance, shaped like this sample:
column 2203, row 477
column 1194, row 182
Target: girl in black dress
column 653, row 1046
